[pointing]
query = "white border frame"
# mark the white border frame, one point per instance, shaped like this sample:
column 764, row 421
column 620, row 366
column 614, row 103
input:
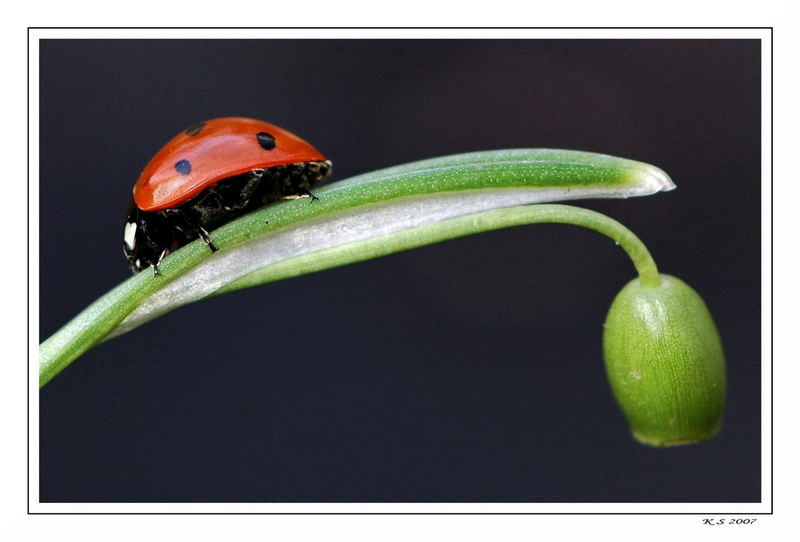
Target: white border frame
column 764, row 507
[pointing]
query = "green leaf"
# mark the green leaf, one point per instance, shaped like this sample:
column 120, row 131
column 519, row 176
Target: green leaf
column 356, row 219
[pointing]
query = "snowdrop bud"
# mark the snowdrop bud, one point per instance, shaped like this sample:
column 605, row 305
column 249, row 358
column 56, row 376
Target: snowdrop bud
column 665, row 363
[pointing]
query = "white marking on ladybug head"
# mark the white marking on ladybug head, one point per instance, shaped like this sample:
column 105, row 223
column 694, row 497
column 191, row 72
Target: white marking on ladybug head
column 130, row 235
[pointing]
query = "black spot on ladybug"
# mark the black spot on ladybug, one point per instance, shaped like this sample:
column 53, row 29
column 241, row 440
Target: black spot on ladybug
column 183, row 167
column 266, row 141
column 195, row 129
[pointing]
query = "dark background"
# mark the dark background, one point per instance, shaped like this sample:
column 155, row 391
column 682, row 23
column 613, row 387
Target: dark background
column 465, row 371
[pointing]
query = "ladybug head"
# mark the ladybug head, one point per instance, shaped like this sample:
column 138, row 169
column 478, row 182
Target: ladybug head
column 147, row 239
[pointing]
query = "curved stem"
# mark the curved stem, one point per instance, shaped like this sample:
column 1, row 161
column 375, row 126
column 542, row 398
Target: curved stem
column 312, row 260
column 577, row 216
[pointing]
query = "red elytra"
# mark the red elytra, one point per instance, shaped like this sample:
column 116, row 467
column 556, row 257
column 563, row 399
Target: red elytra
column 210, row 151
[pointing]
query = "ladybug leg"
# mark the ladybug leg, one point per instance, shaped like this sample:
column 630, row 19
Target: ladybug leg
column 252, row 184
column 241, row 199
column 156, row 264
column 302, row 193
column 206, row 238
column 187, row 221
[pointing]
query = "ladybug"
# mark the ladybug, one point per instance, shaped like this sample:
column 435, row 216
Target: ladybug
column 209, row 174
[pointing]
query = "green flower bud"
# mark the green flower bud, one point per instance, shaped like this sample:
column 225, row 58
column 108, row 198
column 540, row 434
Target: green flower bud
column 665, row 363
